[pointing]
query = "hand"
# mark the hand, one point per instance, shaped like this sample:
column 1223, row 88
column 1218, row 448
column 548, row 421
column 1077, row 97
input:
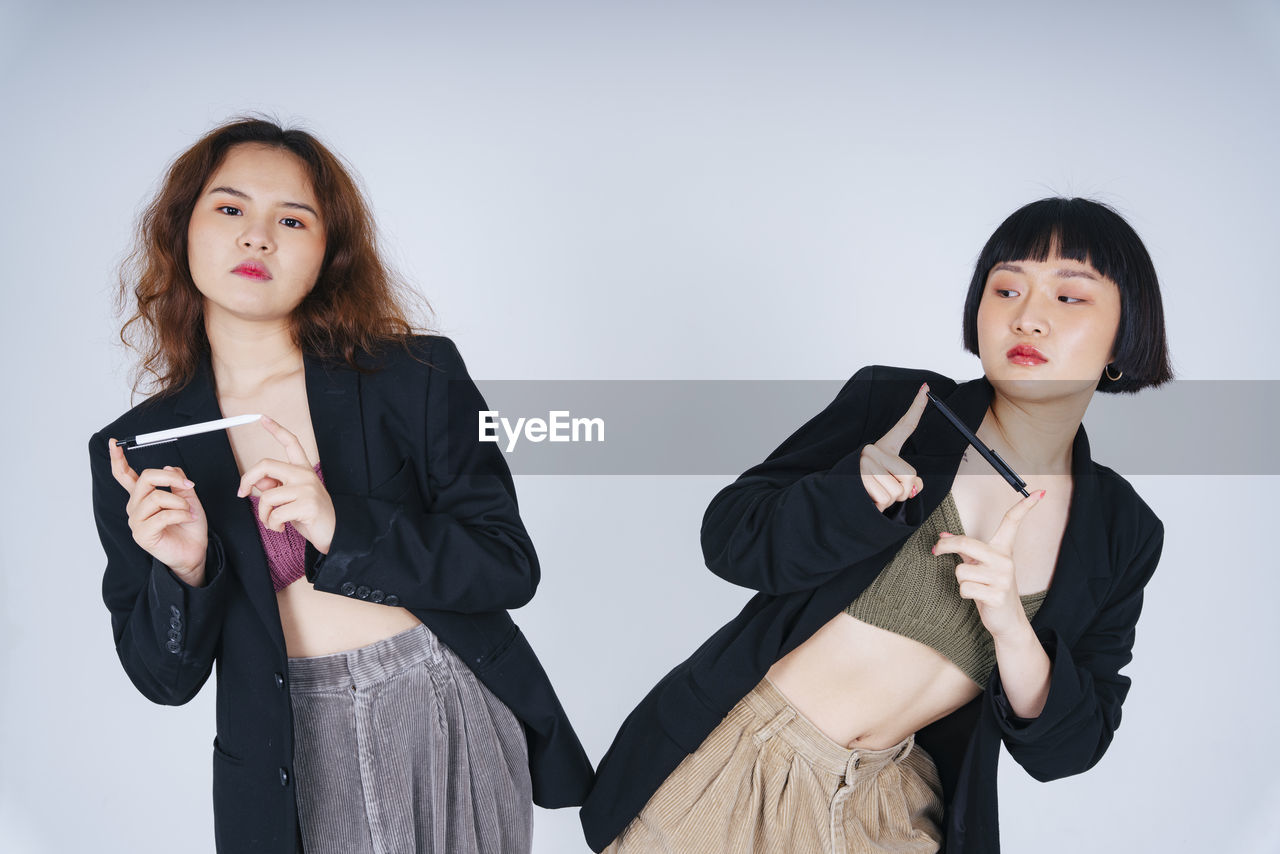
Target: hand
column 169, row 526
column 291, row 491
column 987, row 575
column 887, row 477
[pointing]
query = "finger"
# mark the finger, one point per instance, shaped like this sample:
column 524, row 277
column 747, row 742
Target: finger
column 877, row 492
column 899, row 468
column 897, row 490
column 149, row 531
column 278, row 470
column 292, row 447
column 158, row 500
column 271, row 502
column 120, row 468
column 972, row 572
column 267, row 483
column 975, row 590
column 149, row 480
column 188, row 493
column 893, row 440
column 1007, row 531
column 970, row 549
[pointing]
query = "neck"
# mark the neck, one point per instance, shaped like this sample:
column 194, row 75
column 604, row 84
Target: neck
column 248, row 356
column 1034, row 437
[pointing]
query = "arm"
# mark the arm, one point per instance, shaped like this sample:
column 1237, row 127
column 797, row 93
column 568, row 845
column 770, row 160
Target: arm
column 165, row 630
column 1086, row 690
column 803, row 515
column 469, row 551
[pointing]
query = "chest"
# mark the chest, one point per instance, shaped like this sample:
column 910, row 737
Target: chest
column 286, row 403
column 982, row 498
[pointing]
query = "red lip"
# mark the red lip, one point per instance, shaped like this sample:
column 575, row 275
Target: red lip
column 1025, row 354
column 252, row 270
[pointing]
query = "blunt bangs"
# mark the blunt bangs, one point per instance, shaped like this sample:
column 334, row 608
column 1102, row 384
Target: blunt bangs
column 1092, row 233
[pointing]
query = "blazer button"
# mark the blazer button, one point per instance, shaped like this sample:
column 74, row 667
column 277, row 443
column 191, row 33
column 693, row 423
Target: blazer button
column 377, row 596
column 175, row 622
column 284, row 776
column 348, row 589
column 174, row 612
column 362, row 592
column 392, row 600
column 173, row 647
column 279, row 680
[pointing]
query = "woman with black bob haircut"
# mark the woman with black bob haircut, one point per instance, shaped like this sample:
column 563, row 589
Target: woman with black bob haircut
column 346, row 563
column 911, row 615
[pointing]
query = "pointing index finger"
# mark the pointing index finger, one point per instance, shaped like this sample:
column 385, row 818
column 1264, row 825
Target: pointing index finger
column 893, row 440
column 292, row 447
column 1008, row 528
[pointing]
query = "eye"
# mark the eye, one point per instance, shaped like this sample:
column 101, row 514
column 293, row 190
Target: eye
column 1004, row 291
column 1074, row 300
column 292, row 223
column 228, row 209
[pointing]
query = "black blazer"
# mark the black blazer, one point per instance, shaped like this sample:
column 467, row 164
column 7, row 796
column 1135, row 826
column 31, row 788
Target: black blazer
column 801, row 529
column 426, row 518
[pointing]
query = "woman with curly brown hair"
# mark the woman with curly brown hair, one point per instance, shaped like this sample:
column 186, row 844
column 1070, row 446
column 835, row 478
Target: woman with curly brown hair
column 347, row 562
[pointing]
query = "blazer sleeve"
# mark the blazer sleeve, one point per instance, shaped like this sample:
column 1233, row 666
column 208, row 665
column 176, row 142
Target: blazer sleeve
column 165, row 630
column 803, row 515
column 1086, row 690
column 468, row 551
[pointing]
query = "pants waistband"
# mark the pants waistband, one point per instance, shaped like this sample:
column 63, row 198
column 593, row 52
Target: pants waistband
column 784, row 721
column 365, row 666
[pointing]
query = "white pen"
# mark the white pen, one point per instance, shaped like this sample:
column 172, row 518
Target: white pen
column 143, row 439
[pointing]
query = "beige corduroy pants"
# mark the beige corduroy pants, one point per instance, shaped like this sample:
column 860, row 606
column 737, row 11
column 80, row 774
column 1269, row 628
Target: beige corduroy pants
column 768, row 780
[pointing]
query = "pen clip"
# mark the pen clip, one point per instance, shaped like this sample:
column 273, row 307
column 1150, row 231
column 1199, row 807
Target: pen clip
column 1008, row 468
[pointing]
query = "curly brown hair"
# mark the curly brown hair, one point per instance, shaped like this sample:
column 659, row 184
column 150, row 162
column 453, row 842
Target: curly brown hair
column 357, row 304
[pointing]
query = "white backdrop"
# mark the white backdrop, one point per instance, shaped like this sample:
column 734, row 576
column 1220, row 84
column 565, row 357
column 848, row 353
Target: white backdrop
column 651, row 191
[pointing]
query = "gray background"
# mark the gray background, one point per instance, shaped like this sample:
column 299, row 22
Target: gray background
column 652, row 191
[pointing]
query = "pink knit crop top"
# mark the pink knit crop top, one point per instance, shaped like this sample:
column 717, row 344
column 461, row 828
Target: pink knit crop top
column 286, row 550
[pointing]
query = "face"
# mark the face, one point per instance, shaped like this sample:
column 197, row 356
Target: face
column 1064, row 309
column 256, row 238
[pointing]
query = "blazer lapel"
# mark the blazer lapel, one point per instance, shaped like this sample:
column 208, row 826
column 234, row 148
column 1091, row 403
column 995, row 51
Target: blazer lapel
column 210, row 463
column 333, row 396
column 934, row 450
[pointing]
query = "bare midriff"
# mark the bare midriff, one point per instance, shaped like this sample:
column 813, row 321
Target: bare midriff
column 320, row 623
column 865, row 686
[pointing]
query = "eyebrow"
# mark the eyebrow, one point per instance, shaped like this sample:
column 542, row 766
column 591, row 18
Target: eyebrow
column 232, row 191
column 1064, row 273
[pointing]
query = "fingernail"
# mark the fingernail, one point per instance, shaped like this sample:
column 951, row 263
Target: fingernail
column 1043, row 493
column 913, row 491
column 934, row 550
column 188, row 484
column 924, row 386
column 945, row 534
column 168, row 468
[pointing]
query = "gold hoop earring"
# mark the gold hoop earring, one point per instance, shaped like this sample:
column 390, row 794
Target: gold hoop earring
column 1107, row 370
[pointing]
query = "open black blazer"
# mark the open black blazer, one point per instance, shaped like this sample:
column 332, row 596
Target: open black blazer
column 426, row 519
column 801, row 529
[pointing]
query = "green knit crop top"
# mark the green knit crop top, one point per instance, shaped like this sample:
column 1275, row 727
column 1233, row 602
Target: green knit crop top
column 916, row 595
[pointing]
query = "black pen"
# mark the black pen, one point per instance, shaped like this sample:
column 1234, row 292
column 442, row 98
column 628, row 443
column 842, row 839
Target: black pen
column 989, row 455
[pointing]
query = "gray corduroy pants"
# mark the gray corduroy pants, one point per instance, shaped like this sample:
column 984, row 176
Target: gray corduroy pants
column 399, row 749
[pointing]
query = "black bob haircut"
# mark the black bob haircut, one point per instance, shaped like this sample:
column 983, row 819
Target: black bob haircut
column 1090, row 232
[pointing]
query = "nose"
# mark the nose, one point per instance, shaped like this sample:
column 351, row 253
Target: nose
column 1030, row 318
column 256, row 236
